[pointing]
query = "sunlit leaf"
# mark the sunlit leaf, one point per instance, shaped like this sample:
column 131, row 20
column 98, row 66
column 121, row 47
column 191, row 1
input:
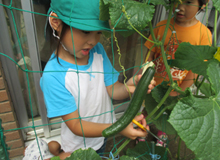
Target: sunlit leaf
column 217, row 54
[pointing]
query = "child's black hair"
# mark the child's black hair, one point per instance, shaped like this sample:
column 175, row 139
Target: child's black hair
column 54, row 42
column 201, row 3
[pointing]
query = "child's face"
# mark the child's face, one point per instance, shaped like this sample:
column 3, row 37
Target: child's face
column 187, row 11
column 84, row 41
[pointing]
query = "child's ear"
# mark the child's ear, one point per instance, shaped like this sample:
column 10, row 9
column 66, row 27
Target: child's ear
column 203, row 6
column 55, row 23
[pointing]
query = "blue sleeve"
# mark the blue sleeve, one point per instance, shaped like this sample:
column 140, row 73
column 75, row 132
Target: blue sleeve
column 111, row 75
column 59, row 101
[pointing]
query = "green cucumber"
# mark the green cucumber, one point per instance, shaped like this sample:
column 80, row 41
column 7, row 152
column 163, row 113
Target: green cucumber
column 134, row 106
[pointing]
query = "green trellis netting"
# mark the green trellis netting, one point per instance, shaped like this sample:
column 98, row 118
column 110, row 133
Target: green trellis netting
column 112, row 44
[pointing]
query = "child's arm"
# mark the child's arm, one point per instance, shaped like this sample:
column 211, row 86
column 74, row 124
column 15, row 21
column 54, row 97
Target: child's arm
column 120, row 91
column 187, row 82
column 91, row 129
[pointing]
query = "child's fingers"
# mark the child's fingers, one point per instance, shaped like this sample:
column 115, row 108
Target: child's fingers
column 132, row 132
column 139, row 117
column 151, row 85
column 140, row 133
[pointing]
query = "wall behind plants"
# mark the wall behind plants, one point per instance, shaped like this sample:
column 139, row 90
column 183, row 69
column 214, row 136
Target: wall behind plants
column 8, row 120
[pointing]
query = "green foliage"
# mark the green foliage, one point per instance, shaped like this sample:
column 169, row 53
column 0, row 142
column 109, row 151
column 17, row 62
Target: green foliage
column 195, row 119
column 152, row 100
column 3, row 145
column 55, row 158
column 140, row 14
column 195, row 58
column 84, row 154
column 143, row 151
column 127, row 158
column 216, row 4
column 206, row 89
column 157, row 2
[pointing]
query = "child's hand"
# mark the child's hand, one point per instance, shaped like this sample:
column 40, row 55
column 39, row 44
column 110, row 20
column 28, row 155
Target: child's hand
column 133, row 133
column 174, row 93
column 133, row 81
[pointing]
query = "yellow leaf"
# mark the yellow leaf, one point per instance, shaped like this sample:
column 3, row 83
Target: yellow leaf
column 217, row 54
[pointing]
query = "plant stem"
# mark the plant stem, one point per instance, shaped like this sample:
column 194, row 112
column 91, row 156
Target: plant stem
column 178, row 153
column 199, row 86
column 196, row 82
column 198, row 96
column 160, row 104
column 168, row 23
column 215, row 27
column 178, row 89
column 165, row 63
column 162, row 44
column 121, row 147
column 128, row 18
column 158, row 115
column 152, row 32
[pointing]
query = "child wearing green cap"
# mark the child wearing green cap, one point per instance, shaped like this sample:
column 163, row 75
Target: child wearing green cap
column 79, row 80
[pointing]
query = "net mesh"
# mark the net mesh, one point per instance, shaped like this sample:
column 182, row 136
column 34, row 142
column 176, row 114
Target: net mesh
column 114, row 45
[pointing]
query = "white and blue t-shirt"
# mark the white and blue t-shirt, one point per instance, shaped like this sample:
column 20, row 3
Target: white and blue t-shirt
column 68, row 87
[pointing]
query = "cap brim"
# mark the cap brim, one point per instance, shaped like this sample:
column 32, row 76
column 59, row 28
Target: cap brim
column 88, row 25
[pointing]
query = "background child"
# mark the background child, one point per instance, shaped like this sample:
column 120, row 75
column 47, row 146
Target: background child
column 47, row 151
column 184, row 27
column 79, row 81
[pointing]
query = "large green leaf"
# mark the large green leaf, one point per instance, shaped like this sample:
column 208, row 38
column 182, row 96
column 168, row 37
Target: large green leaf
column 156, row 2
column 104, row 11
column 206, row 89
column 195, row 58
column 55, row 158
column 84, row 154
column 143, row 151
column 216, row 4
column 197, row 121
column 214, row 76
column 139, row 14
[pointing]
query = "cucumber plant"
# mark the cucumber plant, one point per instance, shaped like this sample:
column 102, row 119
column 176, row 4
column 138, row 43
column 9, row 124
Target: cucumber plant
column 193, row 111
column 194, row 118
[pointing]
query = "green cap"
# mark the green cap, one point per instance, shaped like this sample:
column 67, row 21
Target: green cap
column 80, row 14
